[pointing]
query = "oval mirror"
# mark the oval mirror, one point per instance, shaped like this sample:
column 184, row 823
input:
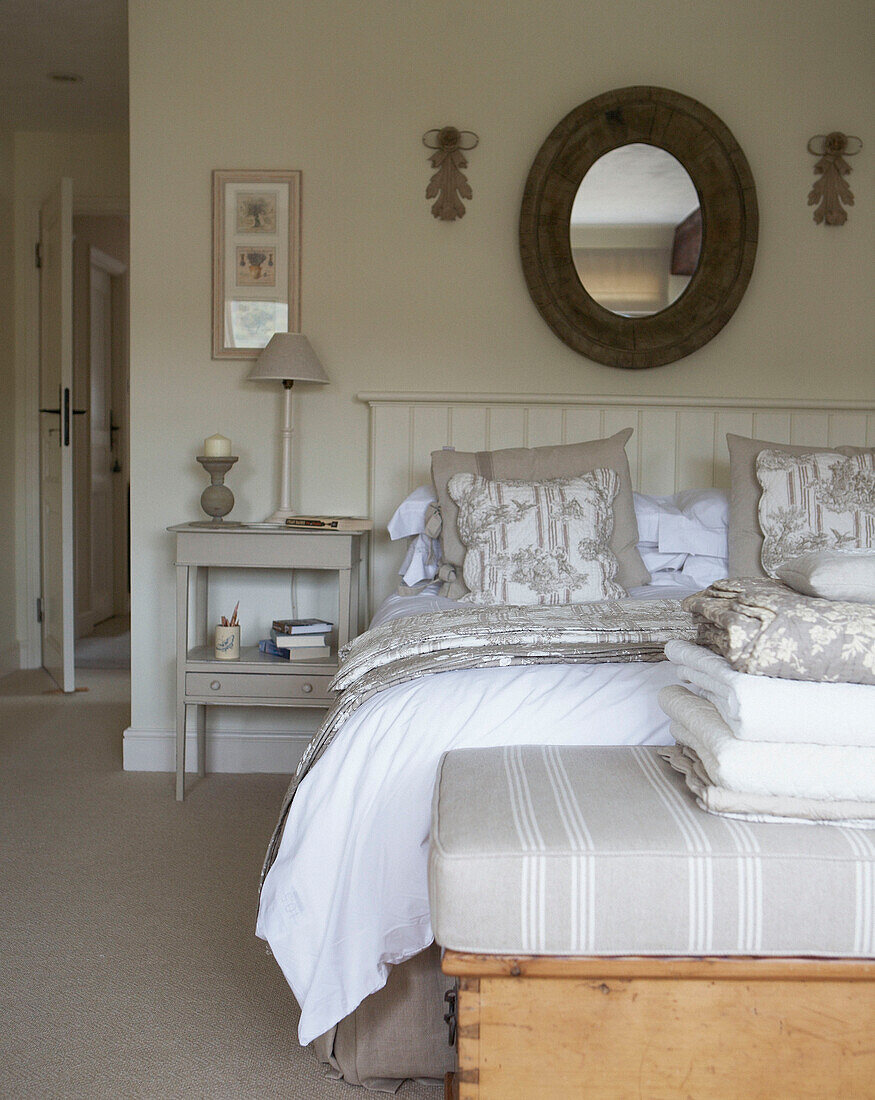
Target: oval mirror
column 611, row 312
column 636, row 230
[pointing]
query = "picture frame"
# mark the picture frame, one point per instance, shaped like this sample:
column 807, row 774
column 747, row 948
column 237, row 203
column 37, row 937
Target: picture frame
column 256, row 259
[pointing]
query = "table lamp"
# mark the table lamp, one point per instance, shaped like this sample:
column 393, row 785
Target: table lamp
column 288, row 358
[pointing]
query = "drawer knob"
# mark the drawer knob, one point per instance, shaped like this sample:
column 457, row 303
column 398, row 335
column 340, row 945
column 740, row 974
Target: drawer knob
column 306, row 687
column 216, row 685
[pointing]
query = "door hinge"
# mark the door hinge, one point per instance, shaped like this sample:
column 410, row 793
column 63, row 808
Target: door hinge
column 39, row 609
column 38, row 254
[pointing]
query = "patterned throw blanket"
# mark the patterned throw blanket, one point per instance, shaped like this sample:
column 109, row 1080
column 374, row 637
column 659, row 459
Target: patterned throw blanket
column 763, row 627
column 487, row 637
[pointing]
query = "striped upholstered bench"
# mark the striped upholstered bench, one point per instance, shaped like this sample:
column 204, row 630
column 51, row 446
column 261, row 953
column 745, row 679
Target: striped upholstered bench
column 611, row 939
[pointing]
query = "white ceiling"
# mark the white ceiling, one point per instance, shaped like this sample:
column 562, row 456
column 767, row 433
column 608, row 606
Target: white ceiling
column 87, row 37
column 635, row 185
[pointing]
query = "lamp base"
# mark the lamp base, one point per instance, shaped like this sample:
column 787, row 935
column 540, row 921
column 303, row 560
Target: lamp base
column 280, row 516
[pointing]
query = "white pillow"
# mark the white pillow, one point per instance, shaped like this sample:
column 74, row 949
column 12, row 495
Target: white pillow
column 423, row 557
column 693, row 521
column 832, row 575
column 542, row 542
column 422, row 560
column 703, row 570
column 656, row 562
column 409, row 517
column 684, row 537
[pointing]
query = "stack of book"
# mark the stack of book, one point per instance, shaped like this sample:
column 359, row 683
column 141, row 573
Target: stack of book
column 298, row 639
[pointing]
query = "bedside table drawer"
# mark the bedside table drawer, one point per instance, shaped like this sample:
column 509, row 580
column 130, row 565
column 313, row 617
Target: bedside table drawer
column 257, row 686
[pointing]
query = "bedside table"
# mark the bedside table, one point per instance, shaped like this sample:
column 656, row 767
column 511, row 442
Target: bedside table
column 257, row 679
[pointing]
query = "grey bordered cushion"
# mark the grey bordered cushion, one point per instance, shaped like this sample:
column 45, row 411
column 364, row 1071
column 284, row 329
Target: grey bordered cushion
column 537, row 543
column 544, row 464
column 814, row 502
column 745, row 536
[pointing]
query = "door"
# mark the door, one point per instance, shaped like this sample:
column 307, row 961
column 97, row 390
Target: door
column 102, row 551
column 56, row 436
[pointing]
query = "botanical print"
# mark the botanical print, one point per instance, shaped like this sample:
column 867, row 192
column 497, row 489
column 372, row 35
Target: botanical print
column 250, row 324
column 256, row 212
column 537, row 543
column 256, row 259
column 814, row 502
column 256, row 267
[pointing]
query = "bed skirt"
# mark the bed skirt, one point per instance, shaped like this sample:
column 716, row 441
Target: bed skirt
column 396, row 1033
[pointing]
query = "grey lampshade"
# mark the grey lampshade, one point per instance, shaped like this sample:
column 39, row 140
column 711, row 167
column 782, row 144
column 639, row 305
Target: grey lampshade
column 288, row 356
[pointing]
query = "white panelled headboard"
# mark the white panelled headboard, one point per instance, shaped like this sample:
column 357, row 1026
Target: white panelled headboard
column 678, row 443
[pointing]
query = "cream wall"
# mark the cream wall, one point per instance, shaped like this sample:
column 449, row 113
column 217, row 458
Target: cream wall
column 9, row 649
column 98, row 166
column 393, row 299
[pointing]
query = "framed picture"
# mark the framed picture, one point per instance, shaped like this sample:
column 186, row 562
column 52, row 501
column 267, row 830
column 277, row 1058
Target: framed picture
column 256, row 260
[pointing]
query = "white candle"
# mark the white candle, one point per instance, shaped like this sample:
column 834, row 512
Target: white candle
column 217, row 446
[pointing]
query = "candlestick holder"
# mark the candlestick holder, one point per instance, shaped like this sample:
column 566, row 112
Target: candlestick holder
column 217, row 500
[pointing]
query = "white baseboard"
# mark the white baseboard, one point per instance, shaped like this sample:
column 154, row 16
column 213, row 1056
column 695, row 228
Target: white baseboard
column 155, row 751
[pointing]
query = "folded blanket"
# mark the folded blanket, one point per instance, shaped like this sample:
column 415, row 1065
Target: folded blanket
column 764, row 807
column 761, row 767
column 769, row 708
column 764, row 628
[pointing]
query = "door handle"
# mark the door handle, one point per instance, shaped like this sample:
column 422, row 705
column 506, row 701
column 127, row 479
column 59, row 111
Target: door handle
column 65, row 415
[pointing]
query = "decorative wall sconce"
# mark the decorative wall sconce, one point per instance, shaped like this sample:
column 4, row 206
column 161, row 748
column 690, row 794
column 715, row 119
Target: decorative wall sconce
column 449, row 185
column 831, row 189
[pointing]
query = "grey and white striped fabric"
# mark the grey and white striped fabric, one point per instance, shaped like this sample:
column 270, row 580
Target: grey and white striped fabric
column 593, row 850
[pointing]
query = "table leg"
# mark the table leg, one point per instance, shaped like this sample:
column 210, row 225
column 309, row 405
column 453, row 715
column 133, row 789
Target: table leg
column 201, row 741
column 180, row 750
column 343, row 606
column 355, row 622
column 182, row 578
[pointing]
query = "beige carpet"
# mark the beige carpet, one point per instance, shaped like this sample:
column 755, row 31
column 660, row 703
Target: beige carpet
column 128, row 962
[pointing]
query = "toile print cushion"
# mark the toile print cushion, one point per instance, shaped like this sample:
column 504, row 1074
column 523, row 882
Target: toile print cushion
column 537, row 464
column 814, row 502
column 538, row 542
column 745, row 535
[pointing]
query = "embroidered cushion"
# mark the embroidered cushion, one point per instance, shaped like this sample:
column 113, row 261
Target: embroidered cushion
column 745, row 536
column 537, row 464
column 537, row 543
column 814, row 502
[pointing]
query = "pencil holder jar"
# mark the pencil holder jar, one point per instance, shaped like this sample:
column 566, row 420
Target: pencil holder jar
column 227, row 643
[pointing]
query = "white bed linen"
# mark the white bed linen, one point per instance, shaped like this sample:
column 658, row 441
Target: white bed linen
column 347, row 895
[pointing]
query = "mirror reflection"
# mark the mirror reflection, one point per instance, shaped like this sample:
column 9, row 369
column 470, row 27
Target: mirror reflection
column 636, row 230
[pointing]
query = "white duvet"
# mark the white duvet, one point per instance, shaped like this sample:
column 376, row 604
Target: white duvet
column 347, row 895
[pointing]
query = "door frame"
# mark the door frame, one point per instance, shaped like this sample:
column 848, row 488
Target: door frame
column 116, row 270
column 27, row 488
column 120, row 404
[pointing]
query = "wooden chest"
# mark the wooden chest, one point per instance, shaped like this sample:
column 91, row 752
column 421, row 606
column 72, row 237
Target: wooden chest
column 711, row 1028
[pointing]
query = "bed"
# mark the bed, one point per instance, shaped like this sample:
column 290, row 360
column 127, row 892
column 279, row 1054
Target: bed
column 345, row 904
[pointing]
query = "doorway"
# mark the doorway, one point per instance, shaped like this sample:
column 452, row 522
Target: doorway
column 100, row 454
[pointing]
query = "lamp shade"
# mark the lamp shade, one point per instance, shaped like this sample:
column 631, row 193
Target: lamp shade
column 289, row 357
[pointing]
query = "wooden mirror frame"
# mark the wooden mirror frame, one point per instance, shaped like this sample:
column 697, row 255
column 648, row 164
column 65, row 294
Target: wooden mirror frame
column 721, row 175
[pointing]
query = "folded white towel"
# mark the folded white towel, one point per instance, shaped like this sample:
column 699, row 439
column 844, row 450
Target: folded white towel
column 760, row 767
column 767, row 708
column 764, row 807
